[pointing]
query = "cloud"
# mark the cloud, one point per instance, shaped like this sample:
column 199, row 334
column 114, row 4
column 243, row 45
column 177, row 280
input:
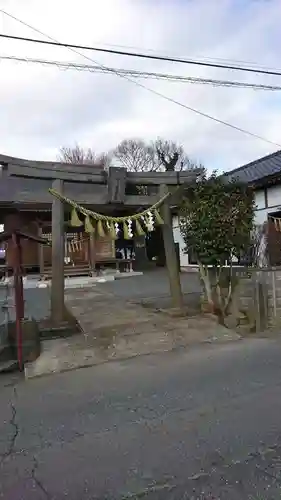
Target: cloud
column 43, row 108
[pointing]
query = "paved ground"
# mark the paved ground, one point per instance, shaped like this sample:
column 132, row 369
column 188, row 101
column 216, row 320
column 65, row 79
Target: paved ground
column 113, row 327
column 153, row 285
column 202, row 424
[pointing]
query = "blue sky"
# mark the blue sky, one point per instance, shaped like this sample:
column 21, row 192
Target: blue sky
column 45, row 108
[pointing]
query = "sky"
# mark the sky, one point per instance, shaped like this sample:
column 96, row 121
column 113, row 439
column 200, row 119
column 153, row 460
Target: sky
column 44, row 108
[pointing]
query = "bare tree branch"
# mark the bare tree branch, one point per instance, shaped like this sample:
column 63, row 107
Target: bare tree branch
column 136, row 156
column 172, row 156
column 79, row 155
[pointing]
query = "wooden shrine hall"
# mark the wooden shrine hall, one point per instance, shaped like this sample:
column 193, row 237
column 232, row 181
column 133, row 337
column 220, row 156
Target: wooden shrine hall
column 26, row 204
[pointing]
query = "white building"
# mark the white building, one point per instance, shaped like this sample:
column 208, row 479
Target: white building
column 264, row 175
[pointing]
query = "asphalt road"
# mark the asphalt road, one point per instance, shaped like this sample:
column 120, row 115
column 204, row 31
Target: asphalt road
column 197, row 424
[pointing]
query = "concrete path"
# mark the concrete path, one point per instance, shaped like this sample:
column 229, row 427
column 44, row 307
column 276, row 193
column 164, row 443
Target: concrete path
column 117, row 325
column 203, row 424
column 153, row 286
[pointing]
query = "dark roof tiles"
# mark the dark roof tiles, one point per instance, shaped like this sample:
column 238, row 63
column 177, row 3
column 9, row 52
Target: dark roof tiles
column 258, row 169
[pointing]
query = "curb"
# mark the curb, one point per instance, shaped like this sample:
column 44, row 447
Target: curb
column 28, row 369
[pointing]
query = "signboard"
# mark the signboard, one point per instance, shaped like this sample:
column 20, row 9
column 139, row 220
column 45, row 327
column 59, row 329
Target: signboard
column 104, row 248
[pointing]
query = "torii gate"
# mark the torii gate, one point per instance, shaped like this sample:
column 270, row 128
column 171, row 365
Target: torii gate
column 112, row 191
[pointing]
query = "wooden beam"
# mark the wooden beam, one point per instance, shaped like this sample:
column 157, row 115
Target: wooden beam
column 32, row 200
column 135, row 177
column 6, row 235
column 87, row 173
column 50, row 165
column 66, row 174
column 57, row 287
column 42, row 201
column 141, row 200
column 42, row 195
column 158, row 178
column 170, row 252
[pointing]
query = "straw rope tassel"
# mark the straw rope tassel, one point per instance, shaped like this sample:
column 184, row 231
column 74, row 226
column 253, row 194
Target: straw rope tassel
column 112, row 231
column 101, row 232
column 139, row 229
column 89, row 228
column 98, row 216
column 126, row 231
column 75, row 221
column 158, row 217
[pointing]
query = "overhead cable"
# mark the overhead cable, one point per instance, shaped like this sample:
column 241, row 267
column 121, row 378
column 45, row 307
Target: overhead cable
column 141, row 74
column 152, row 91
column 141, row 55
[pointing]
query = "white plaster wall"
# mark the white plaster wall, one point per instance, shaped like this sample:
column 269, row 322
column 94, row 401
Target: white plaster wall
column 274, row 203
column 260, row 198
column 178, row 239
column 261, row 216
column 274, row 196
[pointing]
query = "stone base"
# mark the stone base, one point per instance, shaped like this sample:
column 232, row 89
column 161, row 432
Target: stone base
column 189, row 269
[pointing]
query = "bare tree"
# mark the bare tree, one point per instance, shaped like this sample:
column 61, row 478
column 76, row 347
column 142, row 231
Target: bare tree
column 79, row 155
column 136, row 156
column 172, row 156
column 160, row 155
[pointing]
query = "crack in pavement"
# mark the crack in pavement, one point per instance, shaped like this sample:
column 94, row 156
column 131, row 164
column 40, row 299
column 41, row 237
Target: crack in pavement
column 272, row 476
column 146, row 491
column 36, row 480
column 261, row 453
column 15, row 426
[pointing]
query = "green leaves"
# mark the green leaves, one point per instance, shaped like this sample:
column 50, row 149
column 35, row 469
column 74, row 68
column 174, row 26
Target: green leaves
column 216, row 218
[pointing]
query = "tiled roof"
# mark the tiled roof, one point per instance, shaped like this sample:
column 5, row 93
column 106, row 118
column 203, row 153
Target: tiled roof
column 258, row 169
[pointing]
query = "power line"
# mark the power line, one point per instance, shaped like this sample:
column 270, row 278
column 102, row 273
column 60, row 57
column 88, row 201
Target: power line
column 202, row 58
column 152, row 91
column 141, row 55
column 142, row 74
column 240, row 62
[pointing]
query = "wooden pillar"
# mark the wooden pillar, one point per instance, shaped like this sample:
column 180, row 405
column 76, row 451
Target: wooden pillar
column 57, row 289
column 19, row 302
column 40, row 252
column 170, row 251
column 92, row 248
column 12, row 221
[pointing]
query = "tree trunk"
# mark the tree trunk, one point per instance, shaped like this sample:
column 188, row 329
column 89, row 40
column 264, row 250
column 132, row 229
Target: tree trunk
column 207, row 286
